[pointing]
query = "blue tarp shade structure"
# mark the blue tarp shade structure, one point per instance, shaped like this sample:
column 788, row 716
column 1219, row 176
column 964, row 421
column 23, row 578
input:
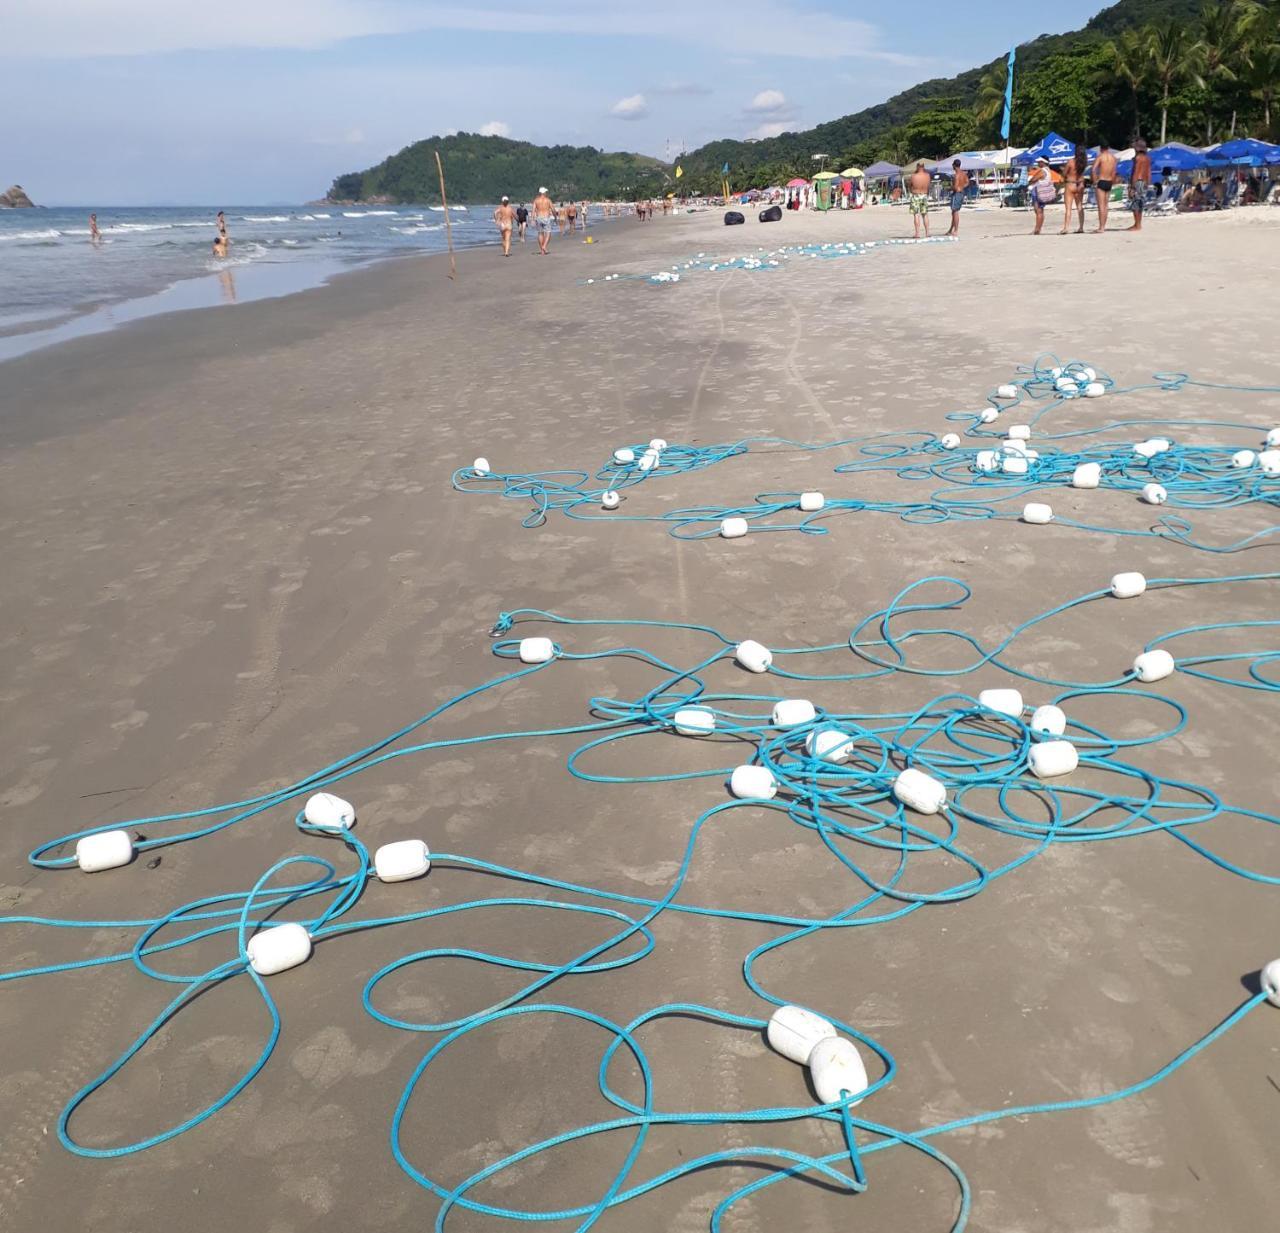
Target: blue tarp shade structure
column 1247, row 148
column 882, row 170
column 1182, row 158
column 1056, row 149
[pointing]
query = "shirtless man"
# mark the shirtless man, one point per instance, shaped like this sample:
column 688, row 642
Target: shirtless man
column 544, row 217
column 1138, row 181
column 1104, row 176
column 220, row 246
column 522, row 220
column 919, row 185
column 505, row 217
column 959, row 182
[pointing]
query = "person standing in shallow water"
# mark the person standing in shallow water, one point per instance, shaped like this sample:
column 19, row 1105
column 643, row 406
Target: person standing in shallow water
column 95, row 236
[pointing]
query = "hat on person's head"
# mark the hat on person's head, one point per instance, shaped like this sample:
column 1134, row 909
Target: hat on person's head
column 955, row 162
column 1043, row 160
column 543, row 189
column 505, row 200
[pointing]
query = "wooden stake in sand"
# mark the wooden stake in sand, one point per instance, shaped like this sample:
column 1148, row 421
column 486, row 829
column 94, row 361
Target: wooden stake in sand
column 448, row 229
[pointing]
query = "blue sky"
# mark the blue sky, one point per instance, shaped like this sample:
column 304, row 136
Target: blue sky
column 255, row 101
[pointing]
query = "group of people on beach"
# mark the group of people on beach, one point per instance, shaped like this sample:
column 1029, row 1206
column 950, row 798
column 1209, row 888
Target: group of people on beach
column 545, row 215
column 1043, row 183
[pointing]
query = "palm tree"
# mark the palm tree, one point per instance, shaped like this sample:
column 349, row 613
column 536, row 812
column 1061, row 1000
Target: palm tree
column 1261, row 75
column 989, row 102
column 1129, row 61
column 1171, row 61
column 1218, row 51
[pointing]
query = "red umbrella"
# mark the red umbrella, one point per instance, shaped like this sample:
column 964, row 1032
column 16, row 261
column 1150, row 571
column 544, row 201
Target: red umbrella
column 797, row 183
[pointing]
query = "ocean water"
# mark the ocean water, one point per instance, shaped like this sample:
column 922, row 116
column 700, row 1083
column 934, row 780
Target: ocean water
column 56, row 284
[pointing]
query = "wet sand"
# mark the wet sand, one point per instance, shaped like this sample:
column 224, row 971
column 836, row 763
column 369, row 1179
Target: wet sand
column 233, row 554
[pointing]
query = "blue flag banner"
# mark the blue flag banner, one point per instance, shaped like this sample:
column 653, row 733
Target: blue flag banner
column 724, row 171
column 1008, row 98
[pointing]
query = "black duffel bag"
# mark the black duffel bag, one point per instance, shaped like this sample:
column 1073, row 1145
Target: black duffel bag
column 733, row 218
column 772, row 215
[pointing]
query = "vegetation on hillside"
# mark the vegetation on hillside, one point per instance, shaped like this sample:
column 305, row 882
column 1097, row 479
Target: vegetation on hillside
column 484, row 168
column 1185, row 70
column 1189, row 70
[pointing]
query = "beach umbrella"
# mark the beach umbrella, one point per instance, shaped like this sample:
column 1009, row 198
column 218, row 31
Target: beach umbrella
column 1182, row 158
column 1051, row 146
column 797, row 183
column 882, row 170
column 1245, row 148
column 825, row 175
column 968, row 162
column 853, row 173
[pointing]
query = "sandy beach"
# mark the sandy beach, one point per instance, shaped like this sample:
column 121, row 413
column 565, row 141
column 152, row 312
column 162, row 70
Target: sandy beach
column 233, row 554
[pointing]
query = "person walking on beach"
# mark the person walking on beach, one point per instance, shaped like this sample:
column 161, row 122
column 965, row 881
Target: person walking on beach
column 95, row 236
column 1104, row 176
column 1138, row 181
column 1073, row 190
column 505, row 217
column 919, row 185
column 544, row 214
column 1043, row 190
column 959, row 182
column 522, row 220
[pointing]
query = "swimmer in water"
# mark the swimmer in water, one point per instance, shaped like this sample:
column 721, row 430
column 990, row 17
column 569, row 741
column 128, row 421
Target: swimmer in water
column 95, row 236
column 220, row 246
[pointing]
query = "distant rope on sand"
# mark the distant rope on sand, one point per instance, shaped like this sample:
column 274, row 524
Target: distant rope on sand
column 982, row 473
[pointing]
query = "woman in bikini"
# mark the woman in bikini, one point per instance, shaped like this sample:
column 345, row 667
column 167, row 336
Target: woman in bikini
column 1073, row 190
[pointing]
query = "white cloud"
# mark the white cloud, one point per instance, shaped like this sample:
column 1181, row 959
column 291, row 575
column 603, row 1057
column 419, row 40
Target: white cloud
column 773, row 128
column 768, row 101
column 77, row 28
column 495, row 128
column 633, row 107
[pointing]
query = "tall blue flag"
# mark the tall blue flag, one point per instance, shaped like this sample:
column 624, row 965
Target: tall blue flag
column 724, row 171
column 1008, row 98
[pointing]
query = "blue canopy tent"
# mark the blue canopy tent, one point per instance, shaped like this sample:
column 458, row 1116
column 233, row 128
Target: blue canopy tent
column 1174, row 157
column 1056, row 149
column 1246, row 149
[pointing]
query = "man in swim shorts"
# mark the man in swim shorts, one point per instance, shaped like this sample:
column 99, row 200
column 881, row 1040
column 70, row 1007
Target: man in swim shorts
column 1139, row 178
column 959, row 182
column 544, row 216
column 919, row 203
column 522, row 220
column 505, row 217
column 1104, row 176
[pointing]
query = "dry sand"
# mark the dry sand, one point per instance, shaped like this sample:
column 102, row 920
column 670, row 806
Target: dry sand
column 232, row 553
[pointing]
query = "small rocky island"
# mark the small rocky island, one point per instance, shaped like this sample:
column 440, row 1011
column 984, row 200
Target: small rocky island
column 16, row 199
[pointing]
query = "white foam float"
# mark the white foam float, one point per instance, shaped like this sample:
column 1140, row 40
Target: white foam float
column 734, row 528
column 836, row 1067
column 1006, row 391
column 950, row 441
column 918, row 791
column 481, row 466
column 1153, row 665
column 1243, row 458
column 753, row 783
column 1005, row 701
column 401, row 861
column 1087, row 475
column 1020, row 432
column 811, row 502
column 1270, row 981
column 106, row 850
column 793, row 712
column 1014, row 464
column 1050, row 759
column 610, row 499
column 536, row 650
column 329, row 813
column 1048, row 720
column 829, row 745
column 279, row 948
column 694, row 721
column 1127, row 585
column 1154, row 494
column 624, row 455
column 793, row 1032
column 1269, row 461
column 1037, row 512
column 752, row 656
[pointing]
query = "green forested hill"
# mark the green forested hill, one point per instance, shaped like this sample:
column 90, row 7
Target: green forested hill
column 484, row 168
column 1220, row 77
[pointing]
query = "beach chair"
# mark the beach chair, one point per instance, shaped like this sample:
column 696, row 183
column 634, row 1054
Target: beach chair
column 1168, row 203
